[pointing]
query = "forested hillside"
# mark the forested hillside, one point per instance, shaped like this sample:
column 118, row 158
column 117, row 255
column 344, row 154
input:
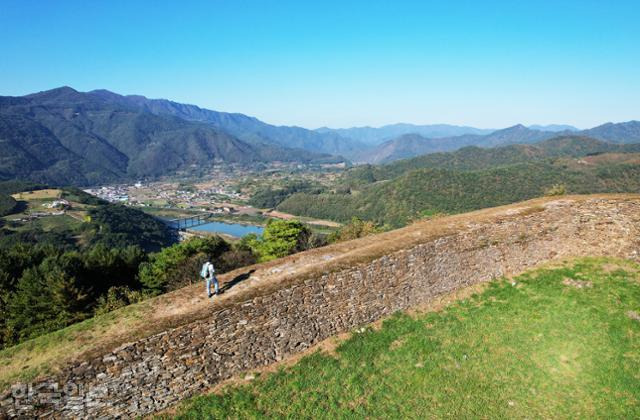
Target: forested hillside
column 65, row 137
column 103, row 223
column 426, row 192
column 56, row 270
column 474, row 158
column 244, row 127
column 61, row 265
column 470, row 178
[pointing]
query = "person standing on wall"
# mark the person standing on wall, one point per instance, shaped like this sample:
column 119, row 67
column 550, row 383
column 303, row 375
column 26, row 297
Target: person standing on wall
column 208, row 274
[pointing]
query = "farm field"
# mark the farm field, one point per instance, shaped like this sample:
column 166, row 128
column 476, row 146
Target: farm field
column 49, row 193
column 557, row 342
column 39, row 202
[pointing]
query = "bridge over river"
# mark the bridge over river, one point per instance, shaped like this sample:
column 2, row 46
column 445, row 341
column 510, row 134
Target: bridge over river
column 189, row 222
column 205, row 222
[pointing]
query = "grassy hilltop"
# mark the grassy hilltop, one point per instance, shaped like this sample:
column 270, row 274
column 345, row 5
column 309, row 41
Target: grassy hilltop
column 558, row 342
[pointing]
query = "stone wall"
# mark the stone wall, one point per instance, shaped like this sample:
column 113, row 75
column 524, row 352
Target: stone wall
column 158, row 371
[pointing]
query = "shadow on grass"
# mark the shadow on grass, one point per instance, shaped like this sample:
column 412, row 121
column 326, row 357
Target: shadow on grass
column 237, row 279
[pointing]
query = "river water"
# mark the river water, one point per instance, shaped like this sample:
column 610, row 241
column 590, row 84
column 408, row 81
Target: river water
column 233, row 229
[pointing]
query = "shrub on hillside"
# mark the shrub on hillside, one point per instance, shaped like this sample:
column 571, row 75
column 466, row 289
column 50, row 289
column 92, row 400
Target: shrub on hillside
column 47, row 298
column 178, row 265
column 279, row 239
column 355, row 229
column 237, row 257
column 556, row 189
column 118, row 297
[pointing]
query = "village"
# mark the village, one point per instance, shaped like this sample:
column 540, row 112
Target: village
column 210, row 198
column 224, row 191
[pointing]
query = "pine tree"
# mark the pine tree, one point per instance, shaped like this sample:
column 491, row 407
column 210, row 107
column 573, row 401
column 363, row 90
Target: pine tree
column 46, row 298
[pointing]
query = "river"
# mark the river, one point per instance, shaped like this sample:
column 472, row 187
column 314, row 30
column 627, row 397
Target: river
column 233, row 229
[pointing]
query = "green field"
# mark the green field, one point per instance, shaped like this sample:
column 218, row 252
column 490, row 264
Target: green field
column 560, row 342
column 50, row 223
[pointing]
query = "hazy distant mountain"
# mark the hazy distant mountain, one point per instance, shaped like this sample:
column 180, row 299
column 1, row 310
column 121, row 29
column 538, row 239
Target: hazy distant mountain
column 626, row 132
column 518, row 134
column 63, row 136
column 373, row 136
column 244, row 127
column 411, row 145
column 405, row 146
column 554, row 127
column 476, row 158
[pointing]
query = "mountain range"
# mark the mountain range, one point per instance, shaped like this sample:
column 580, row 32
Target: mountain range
column 244, row 127
column 411, row 145
column 372, row 136
column 478, row 158
column 471, row 178
column 63, row 136
column 553, row 127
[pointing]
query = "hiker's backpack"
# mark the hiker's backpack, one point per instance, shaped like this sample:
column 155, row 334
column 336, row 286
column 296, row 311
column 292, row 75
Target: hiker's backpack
column 205, row 270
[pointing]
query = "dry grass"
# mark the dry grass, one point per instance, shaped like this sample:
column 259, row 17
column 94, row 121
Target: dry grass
column 45, row 354
column 578, row 284
column 99, row 335
column 38, row 195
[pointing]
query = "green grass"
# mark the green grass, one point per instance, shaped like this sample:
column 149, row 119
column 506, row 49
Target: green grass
column 49, row 223
column 524, row 348
column 57, row 222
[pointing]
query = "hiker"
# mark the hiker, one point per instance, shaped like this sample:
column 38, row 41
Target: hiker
column 208, row 273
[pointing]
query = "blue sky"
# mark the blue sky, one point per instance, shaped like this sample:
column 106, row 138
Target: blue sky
column 339, row 63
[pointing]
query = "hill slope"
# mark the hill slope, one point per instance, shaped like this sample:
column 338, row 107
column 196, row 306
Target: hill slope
column 474, row 157
column 246, row 128
column 373, row 136
column 627, row 132
column 417, row 193
column 447, row 354
column 67, row 137
column 178, row 334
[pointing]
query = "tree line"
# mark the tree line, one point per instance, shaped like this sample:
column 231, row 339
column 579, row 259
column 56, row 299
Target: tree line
column 48, row 281
column 423, row 192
